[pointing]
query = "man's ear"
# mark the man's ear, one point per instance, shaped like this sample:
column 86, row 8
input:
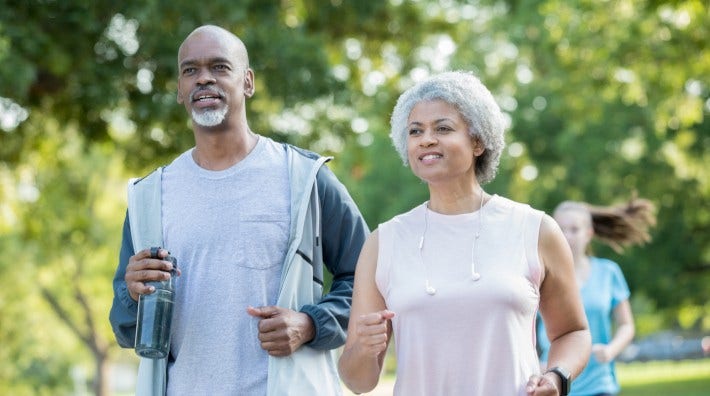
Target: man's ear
column 249, row 83
column 179, row 97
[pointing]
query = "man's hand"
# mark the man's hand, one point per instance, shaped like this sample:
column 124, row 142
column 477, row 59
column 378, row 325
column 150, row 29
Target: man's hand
column 282, row 331
column 142, row 268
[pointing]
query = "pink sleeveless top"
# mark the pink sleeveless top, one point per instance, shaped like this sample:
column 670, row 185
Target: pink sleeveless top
column 470, row 337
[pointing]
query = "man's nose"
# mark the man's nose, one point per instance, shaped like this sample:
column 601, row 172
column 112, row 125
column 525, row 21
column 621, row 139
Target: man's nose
column 205, row 77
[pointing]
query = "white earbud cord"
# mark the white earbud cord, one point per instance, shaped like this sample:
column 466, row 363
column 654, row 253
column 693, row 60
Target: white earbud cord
column 430, row 290
column 474, row 246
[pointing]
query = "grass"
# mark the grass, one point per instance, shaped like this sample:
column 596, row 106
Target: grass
column 665, row 378
column 657, row 378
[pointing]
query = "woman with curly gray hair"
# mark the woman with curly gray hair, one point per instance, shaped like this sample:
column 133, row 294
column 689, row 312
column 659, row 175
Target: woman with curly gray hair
column 459, row 279
column 476, row 106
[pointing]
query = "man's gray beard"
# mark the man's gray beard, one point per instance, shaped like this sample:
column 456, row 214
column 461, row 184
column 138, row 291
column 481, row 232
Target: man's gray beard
column 209, row 118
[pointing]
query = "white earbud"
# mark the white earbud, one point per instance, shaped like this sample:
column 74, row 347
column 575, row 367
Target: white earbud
column 430, row 290
column 474, row 275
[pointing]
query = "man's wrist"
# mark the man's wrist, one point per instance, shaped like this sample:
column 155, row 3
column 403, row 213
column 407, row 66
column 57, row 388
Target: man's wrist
column 308, row 328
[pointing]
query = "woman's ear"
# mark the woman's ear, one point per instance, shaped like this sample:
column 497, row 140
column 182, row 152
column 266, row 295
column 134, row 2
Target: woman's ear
column 478, row 147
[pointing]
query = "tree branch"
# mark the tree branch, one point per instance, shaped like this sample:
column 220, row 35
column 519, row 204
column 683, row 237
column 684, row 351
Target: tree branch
column 63, row 314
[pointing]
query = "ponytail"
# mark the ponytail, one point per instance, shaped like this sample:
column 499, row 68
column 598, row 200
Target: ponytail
column 624, row 225
column 619, row 226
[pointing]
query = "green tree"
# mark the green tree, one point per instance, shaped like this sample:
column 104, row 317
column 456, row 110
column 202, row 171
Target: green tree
column 608, row 104
column 604, row 98
column 87, row 97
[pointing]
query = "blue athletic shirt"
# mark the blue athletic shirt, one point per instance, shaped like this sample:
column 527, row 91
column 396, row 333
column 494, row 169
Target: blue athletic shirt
column 603, row 290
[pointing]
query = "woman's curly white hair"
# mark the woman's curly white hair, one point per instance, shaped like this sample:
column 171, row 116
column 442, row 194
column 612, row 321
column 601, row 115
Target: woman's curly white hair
column 474, row 102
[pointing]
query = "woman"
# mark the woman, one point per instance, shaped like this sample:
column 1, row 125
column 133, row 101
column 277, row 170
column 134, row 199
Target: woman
column 459, row 278
column 605, row 294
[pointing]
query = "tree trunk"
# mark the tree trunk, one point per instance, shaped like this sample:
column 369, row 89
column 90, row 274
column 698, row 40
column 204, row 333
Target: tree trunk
column 101, row 376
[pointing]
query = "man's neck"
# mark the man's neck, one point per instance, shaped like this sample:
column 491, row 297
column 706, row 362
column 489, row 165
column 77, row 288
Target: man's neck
column 221, row 149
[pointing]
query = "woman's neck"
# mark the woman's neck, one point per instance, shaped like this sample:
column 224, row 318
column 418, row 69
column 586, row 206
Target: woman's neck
column 582, row 268
column 457, row 199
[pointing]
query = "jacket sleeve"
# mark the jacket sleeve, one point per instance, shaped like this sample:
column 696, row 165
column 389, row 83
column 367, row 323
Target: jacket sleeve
column 124, row 309
column 344, row 232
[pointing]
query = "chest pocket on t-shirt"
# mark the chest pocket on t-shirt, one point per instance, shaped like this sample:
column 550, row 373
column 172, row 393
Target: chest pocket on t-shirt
column 262, row 241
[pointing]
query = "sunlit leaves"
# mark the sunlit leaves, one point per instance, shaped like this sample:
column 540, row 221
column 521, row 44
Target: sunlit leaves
column 603, row 98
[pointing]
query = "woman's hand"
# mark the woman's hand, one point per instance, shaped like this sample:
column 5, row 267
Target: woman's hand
column 372, row 332
column 543, row 385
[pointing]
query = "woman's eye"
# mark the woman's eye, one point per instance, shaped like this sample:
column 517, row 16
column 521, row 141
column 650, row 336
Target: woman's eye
column 414, row 131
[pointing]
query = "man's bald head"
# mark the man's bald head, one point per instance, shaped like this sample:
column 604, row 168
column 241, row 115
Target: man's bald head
column 221, row 37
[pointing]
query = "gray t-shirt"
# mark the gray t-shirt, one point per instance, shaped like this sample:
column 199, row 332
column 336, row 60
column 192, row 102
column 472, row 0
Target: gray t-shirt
column 229, row 232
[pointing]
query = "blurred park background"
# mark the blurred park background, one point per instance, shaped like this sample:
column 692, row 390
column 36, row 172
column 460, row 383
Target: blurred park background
column 604, row 99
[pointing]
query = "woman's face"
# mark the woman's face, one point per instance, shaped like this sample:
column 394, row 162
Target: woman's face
column 439, row 147
column 576, row 227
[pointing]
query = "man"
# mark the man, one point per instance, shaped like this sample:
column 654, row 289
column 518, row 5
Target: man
column 249, row 221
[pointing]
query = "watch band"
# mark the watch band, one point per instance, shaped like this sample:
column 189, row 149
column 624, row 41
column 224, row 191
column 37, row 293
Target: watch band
column 564, row 379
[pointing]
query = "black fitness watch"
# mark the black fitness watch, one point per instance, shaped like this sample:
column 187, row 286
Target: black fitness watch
column 564, row 379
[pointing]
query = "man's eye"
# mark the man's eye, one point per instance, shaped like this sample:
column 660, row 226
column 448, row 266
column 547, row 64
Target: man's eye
column 188, row 70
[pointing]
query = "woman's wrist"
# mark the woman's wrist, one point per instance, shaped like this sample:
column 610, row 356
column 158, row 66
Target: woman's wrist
column 554, row 380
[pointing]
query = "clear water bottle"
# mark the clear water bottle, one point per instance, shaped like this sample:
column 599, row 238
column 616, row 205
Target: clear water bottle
column 155, row 313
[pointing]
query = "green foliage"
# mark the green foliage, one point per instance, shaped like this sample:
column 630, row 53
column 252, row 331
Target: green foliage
column 646, row 316
column 610, row 105
column 604, row 99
